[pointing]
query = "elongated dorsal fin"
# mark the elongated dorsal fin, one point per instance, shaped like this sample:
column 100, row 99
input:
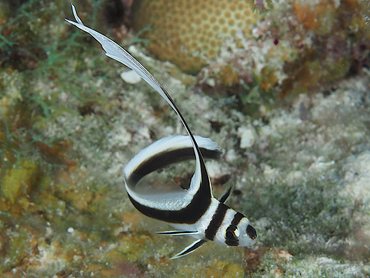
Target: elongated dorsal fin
column 117, row 53
column 166, row 151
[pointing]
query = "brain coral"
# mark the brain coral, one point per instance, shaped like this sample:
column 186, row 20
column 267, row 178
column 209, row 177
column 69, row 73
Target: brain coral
column 182, row 31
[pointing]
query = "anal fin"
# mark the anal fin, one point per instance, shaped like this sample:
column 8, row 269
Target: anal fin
column 190, row 249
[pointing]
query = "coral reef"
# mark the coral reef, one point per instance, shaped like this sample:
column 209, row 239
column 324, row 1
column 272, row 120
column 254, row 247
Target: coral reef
column 319, row 43
column 299, row 167
column 188, row 33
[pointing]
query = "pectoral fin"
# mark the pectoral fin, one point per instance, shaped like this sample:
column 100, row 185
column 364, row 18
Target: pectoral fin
column 178, row 233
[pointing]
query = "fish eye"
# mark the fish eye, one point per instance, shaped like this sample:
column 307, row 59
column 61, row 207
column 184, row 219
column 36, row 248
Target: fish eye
column 231, row 235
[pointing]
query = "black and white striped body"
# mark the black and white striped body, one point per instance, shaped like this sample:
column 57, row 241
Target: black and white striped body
column 194, row 211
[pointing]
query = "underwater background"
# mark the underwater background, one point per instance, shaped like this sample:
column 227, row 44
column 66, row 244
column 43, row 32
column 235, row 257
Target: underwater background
column 282, row 86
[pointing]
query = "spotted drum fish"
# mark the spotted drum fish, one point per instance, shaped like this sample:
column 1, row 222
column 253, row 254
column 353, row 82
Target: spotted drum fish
column 194, row 212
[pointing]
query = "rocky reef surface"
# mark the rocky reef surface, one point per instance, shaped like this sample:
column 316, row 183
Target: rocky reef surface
column 290, row 107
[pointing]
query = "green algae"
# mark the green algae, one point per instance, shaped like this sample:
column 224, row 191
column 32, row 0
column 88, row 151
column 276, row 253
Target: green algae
column 302, row 218
column 34, row 162
column 20, row 180
column 26, row 107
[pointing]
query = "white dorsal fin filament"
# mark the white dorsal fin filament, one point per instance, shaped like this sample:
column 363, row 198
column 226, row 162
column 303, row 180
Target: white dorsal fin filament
column 117, row 53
